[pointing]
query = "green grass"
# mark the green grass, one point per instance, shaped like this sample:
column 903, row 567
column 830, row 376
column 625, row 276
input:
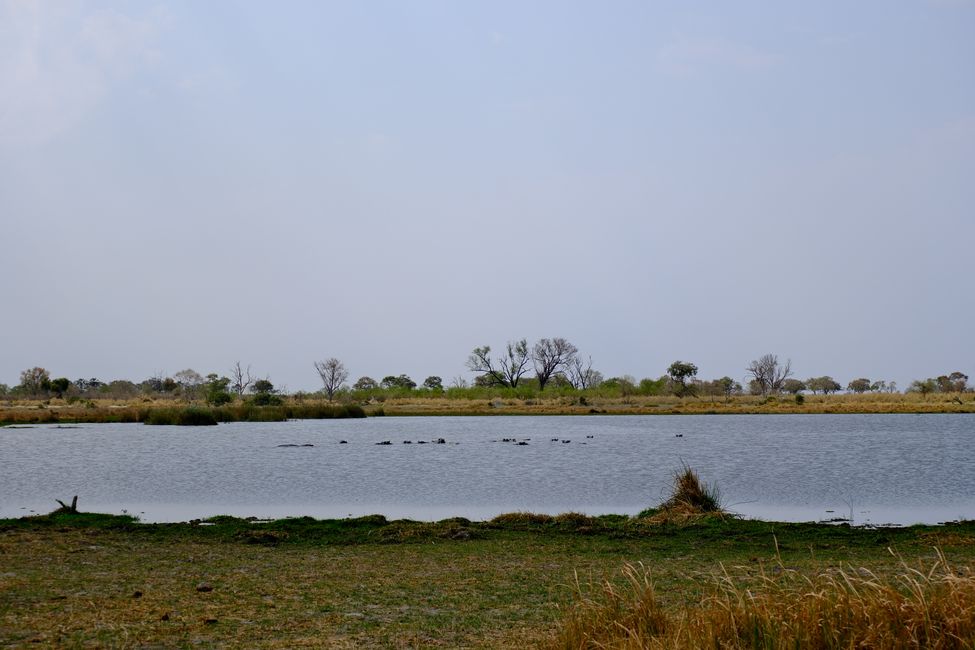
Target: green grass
column 368, row 582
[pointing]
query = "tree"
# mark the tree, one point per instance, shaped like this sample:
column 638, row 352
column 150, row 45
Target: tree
column 680, row 373
column 768, row 374
column 858, row 386
column 549, row 356
column 793, row 386
column 241, row 379
column 365, row 383
column 755, row 387
column 651, row 386
column 120, row 389
column 333, row 374
column 87, row 385
column 506, row 370
column 433, row 383
column 402, row 382
column 190, row 381
column 923, row 386
column 956, row 382
column 217, row 390
column 60, row 386
column 581, row 374
column 35, row 381
column 264, row 393
column 625, row 384
column 824, row 385
column 729, row 386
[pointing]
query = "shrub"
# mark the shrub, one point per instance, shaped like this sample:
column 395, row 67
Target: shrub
column 266, row 399
column 192, row 416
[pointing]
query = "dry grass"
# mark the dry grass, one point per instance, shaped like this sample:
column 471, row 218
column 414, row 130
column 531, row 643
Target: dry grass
column 57, row 410
column 933, row 608
column 670, row 405
column 99, row 581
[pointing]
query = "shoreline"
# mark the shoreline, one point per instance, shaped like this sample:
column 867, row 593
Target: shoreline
column 108, row 411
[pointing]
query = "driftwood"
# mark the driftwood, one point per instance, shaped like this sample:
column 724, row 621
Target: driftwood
column 72, row 509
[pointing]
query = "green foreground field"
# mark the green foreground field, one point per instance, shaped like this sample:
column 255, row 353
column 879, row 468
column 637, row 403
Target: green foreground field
column 97, row 580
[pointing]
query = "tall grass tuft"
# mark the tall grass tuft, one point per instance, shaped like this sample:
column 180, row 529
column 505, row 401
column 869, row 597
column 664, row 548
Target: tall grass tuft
column 842, row 609
column 691, row 493
column 690, row 499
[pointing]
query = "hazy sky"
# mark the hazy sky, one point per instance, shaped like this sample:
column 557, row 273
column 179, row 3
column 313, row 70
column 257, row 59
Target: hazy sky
column 188, row 184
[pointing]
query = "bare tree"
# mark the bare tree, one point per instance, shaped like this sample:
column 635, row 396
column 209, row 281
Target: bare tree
column 504, row 371
column 549, row 356
column 333, row 374
column 582, row 375
column 768, row 375
column 240, row 379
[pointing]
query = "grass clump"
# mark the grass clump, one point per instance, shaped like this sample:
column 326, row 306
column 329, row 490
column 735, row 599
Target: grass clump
column 839, row 609
column 690, row 498
column 522, row 520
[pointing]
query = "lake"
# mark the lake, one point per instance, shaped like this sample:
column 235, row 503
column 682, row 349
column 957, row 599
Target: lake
column 876, row 469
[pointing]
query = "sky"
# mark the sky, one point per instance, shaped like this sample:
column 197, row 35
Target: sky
column 187, row 185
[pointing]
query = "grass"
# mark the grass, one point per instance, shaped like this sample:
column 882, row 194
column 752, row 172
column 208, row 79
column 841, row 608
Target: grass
column 168, row 413
column 927, row 607
column 502, row 402
column 101, row 580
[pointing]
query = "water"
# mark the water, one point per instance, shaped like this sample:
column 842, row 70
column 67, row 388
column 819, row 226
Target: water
column 876, row 468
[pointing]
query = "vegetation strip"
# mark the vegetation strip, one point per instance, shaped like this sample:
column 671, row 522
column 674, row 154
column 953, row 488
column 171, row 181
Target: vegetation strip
column 89, row 579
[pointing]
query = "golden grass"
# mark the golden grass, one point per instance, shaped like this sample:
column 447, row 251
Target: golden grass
column 670, row 405
column 933, row 608
column 57, row 410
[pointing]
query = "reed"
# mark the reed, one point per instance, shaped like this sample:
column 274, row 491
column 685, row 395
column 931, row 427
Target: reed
column 932, row 608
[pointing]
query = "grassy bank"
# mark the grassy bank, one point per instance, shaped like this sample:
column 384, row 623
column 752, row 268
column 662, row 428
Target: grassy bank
column 76, row 579
column 168, row 413
column 671, row 405
column 503, row 402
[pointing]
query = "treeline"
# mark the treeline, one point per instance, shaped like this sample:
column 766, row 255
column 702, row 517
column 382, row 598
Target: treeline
column 545, row 367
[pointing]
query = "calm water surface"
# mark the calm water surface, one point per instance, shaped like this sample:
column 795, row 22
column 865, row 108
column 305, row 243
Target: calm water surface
column 879, row 468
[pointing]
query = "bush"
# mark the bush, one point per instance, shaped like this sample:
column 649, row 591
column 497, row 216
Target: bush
column 192, row 416
column 266, row 399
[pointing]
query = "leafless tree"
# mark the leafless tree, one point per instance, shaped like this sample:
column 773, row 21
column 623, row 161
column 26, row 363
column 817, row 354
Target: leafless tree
column 582, row 375
column 768, row 375
column 504, row 371
column 333, row 374
column 240, row 379
column 549, row 356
